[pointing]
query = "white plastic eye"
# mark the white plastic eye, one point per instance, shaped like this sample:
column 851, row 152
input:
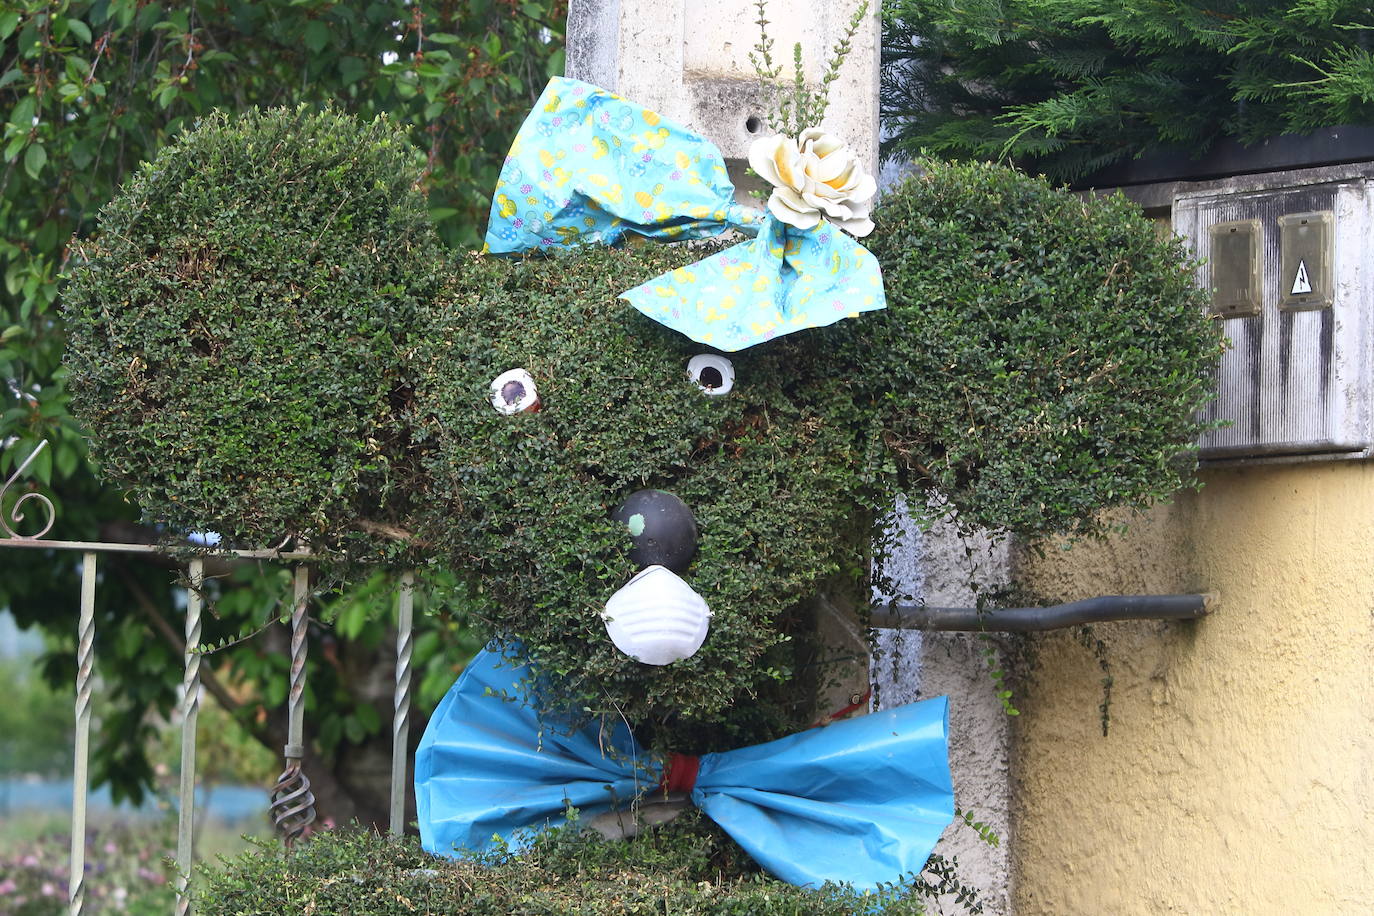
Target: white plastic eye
column 513, row 392
column 714, row 375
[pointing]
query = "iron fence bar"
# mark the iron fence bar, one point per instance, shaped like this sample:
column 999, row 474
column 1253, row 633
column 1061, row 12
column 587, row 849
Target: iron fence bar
column 113, row 547
column 400, row 721
column 85, row 663
column 295, row 729
column 190, row 712
column 293, row 804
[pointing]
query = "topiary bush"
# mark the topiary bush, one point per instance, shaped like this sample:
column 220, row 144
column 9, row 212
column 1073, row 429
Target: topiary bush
column 1042, row 354
column 237, row 327
column 293, row 354
column 686, row 868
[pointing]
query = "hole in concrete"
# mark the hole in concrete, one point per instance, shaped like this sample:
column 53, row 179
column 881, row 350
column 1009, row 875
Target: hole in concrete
column 753, row 124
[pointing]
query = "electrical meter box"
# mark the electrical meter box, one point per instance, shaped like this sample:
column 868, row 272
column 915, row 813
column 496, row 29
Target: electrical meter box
column 1289, row 278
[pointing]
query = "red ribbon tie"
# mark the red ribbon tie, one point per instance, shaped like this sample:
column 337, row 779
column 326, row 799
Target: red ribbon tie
column 680, row 773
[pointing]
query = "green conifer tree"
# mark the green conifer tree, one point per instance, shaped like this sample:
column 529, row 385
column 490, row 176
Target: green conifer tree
column 1066, row 87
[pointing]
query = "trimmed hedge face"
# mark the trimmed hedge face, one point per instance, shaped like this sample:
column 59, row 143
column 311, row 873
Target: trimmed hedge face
column 236, row 330
column 773, row 471
column 261, row 346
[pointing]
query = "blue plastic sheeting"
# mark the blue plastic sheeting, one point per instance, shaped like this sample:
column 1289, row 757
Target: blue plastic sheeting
column 589, row 167
column 861, row 801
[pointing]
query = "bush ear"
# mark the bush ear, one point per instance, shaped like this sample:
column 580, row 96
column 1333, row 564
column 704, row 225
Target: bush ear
column 1042, row 354
column 237, row 325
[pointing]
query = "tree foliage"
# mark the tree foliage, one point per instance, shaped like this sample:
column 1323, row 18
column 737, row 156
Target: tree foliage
column 1066, row 88
column 35, row 731
column 88, row 90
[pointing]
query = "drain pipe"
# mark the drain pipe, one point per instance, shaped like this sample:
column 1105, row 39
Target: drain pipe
column 1030, row 619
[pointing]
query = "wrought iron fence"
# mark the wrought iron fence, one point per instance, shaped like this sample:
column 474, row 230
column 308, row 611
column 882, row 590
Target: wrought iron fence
column 292, row 804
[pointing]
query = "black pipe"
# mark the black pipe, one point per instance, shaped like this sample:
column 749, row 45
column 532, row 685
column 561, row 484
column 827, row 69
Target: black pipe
column 1029, row 619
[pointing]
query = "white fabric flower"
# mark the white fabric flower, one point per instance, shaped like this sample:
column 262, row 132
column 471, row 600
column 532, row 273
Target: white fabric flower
column 815, row 175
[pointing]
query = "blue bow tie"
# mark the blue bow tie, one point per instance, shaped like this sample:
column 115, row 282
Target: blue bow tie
column 589, row 167
column 862, row 800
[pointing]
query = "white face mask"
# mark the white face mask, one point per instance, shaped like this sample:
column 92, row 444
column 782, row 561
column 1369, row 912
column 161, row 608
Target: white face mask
column 656, row 618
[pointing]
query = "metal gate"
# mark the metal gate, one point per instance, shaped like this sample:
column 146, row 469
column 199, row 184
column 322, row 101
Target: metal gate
column 292, row 803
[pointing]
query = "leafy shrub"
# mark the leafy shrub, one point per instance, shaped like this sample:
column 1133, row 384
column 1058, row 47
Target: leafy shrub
column 268, row 341
column 236, row 329
column 1042, row 354
column 685, row 868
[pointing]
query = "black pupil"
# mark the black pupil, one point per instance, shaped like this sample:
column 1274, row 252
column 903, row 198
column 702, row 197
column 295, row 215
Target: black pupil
column 512, row 392
column 711, row 378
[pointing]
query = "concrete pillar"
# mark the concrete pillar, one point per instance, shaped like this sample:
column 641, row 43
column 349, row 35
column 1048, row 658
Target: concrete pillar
column 688, row 60
column 945, row 568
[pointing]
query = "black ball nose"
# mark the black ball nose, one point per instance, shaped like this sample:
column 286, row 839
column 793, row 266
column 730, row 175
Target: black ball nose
column 663, row 529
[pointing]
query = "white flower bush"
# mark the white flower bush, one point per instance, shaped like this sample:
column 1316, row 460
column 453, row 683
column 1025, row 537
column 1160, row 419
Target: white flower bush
column 813, row 176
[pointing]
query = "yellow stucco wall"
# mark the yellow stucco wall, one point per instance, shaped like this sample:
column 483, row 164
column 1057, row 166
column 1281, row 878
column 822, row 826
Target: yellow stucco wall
column 1238, row 774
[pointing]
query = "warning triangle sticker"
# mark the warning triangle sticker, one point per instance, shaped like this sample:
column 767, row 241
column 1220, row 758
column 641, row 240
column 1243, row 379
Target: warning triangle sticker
column 1301, row 284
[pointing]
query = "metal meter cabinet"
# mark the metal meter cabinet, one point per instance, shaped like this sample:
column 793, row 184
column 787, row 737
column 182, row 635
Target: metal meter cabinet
column 1288, row 271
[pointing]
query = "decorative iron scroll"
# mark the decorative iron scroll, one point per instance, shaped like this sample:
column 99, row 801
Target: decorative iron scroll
column 293, row 804
column 15, row 513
